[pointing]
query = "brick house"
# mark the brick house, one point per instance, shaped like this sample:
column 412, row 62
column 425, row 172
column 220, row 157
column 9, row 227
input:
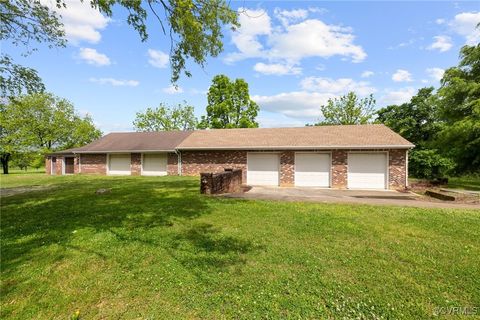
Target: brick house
column 354, row 156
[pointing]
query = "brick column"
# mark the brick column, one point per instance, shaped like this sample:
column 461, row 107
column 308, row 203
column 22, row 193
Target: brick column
column 172, row 164
column 48, row 163
column 339, row 169
column 287, row 169
column 397, row 166
column 136, row 164
column 76, row 164
column 59, row 166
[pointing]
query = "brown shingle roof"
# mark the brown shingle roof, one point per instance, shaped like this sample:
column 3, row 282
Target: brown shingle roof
column 348, row 136
column 135, row 141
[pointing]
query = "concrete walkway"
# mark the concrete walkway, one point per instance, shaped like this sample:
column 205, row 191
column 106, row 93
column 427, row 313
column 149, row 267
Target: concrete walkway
column 371, row 197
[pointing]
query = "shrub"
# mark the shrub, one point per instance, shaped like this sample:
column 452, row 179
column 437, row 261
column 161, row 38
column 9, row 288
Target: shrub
column 429, row 164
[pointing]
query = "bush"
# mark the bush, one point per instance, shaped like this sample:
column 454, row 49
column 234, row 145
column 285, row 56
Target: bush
column 429, row 164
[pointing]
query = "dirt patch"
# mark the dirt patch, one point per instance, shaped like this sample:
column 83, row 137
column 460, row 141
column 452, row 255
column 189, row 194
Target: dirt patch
column 7, row 192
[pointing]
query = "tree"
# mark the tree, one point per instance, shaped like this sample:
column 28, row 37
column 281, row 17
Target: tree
column 348, row 109
column 459, row 107
column 195, row 31
column 42, row 122
column 417, row 121
column 229, row 105
column 164, row 118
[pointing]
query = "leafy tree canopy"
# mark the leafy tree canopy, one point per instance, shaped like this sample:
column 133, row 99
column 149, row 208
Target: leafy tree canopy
column 348, row 109
column 42, row 122
column 193, row 26
column 164, row 118
column 229, row 105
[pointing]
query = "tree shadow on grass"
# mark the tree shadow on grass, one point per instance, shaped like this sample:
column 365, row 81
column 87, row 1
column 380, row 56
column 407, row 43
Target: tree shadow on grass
column 31, row 221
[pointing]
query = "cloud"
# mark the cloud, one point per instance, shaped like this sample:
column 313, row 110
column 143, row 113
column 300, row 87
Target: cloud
column 367, row 74
column 115, row 82
column 435, row 73
column 80, row 20
column 441, row 43
column 291, row 42
column 440, row 21
column 158, row 59
column 297, row 104
column 336, row 86
column 92, row 56
column 172, row 89
column 402, row 76
column 396, row 96
column 288, row 16
column 465, row 24
column 277, row 69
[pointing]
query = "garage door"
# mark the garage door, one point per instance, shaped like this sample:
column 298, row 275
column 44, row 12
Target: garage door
column 154, row 164
column 119, row 164
column 312, row 169
column 262, row 169
column 367, row 170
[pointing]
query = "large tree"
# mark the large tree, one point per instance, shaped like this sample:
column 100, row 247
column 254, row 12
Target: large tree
column 348, row 109
column 459, row 107
column 194, row 29
column 41, row 122
column 165, row 118
column 229, row 105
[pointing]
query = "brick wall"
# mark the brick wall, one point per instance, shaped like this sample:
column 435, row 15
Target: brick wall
column 397, row 169
column 76, row 168
column 224, row 182
column 339, row 169
column 59, row 166
column 195, row 162
column 287, row 168
column 48, row 165
column 93, row 163
column 136, row 164
column 172, row 164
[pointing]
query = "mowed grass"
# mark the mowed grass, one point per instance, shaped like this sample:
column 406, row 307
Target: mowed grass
column 154, row 248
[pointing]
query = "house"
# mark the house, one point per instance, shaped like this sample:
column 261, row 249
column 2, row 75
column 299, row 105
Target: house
column 350, row 156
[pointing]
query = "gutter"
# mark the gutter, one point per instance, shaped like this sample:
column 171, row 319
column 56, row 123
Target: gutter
column 301, row 147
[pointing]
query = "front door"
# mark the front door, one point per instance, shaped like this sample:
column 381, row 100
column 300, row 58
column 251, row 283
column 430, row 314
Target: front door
column 69, row 165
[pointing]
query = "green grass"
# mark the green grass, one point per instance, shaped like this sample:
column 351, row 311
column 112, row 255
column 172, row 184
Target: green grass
column 155, row 249
column 467, row 182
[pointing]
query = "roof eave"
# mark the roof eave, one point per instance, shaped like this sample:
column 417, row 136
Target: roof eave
column 300, row 147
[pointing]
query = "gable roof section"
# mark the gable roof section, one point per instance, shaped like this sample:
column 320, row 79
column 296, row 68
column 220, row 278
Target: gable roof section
column 321, row 137
column 135, row 141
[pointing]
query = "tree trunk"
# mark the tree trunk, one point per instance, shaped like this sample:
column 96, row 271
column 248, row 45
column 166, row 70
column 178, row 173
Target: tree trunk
column 4, row 158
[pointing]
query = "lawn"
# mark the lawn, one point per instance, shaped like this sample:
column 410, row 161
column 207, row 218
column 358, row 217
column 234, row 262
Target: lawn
column 154, row 248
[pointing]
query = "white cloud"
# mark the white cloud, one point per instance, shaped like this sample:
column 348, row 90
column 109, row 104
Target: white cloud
column 441, row 43
column 465, row 24
column 336, row 86
column 402, row 76
column 92, row 56
column 158, row 58
column 367, row 74
column 440, row 21
column 435, row 73
column 397, row 96
column 288, row 16
column 172, row 89
column 80, row 20
column 115, row 82
column 297, row 104
column 292, row 41
column 277, row 69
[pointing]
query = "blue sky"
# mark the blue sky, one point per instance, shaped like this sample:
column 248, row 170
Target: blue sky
column 294, row 55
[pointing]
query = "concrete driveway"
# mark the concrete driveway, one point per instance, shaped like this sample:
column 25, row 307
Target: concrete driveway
column 372, row 197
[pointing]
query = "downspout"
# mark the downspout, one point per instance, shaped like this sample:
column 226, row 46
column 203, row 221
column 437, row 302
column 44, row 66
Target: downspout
column 179, row 162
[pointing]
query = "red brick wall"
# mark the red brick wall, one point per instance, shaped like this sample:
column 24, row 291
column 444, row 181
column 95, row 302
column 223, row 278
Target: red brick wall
column 195, row 162
column 339, row 169
column 76, row 164
column 172, row 164
column 93, row 163
column 397, row 169
column 136, row 164
column 59, row 166
column 48, row 165
column 287, row 168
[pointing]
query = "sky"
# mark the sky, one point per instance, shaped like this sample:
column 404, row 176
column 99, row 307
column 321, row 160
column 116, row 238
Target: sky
column 294, row 55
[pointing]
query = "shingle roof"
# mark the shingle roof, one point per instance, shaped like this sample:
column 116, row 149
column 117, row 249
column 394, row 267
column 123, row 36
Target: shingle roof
column 322, row 137
column 134, row 141
column 346, row 136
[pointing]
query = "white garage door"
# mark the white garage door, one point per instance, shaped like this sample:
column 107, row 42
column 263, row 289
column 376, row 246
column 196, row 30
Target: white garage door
column 367, row 170
column 154, row 164
column 119, row 164
column 312, row 169
column 262, row 169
